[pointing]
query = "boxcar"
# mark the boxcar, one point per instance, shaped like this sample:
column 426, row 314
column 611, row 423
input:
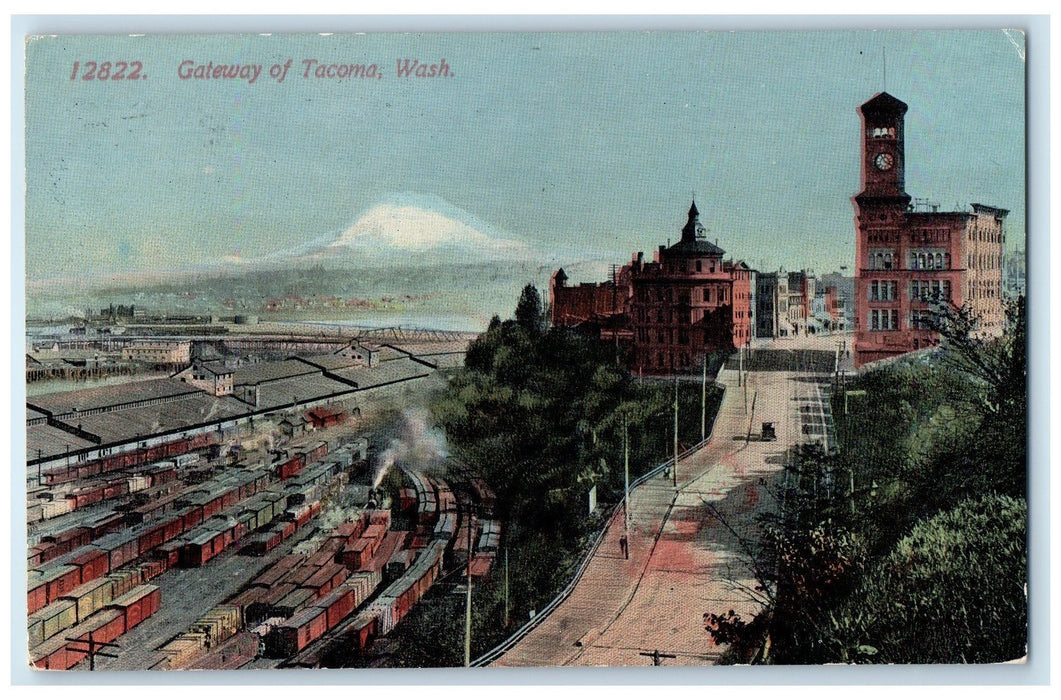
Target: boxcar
column 138, row 604
column 297, row 633
column 91, row 597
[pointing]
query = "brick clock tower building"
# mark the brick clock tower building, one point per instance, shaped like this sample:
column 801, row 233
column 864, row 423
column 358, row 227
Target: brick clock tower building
column 907, row 258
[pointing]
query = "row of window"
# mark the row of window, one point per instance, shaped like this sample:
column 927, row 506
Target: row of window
column 923, row 290
column 888, row 320
column 720, row 294
column 989, row 236
column 985, row 261
column 985, row 289
column 922, row 260
column 882, row 132
column 884, row 319
column 883, row 238
column 883, row 290
column 915, row 260
column 930, row 236
column 710, row 265
column 930, row 289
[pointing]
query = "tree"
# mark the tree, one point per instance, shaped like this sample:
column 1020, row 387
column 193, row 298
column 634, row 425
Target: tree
column 997, row 366
column 953, row 591
column 804, row 563
column 529, row 311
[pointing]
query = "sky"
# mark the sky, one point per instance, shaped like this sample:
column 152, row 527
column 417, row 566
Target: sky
column 567, row 142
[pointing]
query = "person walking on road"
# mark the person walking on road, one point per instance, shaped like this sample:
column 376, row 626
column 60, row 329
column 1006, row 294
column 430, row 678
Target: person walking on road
column 624, row 546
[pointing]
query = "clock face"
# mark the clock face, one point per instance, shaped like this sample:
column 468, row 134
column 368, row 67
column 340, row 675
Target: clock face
column 883, row 161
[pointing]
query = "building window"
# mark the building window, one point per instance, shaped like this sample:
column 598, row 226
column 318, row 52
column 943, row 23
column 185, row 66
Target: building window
column 699, row 266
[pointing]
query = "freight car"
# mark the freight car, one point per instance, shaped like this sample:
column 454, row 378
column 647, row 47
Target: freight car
column 289, row 637
column 129, row 459
column 63, row 651
column 395, row 602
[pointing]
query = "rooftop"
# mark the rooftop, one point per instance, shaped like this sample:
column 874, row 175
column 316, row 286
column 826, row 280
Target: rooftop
column 102, row 397
column 272, row 371
column 384, row 373
column 328, row 362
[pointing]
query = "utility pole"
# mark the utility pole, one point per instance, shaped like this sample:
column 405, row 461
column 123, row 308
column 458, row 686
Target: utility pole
column 657, row 657
column 506, row 587
column 740, row 364
column 93, row 649
column 468, row 606
column 703, row 404
column 674, row 471
column 626, row 479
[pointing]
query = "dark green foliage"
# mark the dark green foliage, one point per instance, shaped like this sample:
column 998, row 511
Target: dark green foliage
column 529, row 311
column 950, row 592
column 908, row 546
column 540, row 415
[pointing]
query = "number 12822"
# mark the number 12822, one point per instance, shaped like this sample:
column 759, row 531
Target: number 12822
column 118, row 70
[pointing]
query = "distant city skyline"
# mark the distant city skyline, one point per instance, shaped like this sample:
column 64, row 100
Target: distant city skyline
column 567, row 143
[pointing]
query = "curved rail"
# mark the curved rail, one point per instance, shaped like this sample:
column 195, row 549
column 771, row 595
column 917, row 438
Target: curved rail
column 504, row 647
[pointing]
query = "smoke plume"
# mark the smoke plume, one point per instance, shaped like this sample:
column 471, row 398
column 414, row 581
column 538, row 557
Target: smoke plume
column 419, row 445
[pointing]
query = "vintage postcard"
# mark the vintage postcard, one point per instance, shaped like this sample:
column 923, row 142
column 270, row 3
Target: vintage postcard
column 369, row 350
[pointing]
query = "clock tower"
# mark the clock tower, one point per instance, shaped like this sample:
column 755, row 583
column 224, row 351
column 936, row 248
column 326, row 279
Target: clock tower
column 883, row 157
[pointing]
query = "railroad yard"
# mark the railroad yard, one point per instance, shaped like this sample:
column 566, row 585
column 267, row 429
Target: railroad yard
column 281, row 540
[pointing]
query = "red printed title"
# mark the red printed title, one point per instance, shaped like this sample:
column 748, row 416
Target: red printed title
column 250, row 73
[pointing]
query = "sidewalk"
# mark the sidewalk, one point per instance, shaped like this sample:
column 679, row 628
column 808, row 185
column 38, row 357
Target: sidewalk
column 683, row 561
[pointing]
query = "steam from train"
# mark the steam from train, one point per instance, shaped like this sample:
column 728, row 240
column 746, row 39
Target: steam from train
column 418, row 444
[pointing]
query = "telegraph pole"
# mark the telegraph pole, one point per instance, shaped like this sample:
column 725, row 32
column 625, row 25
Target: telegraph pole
column 703, row 404
column 657, row 657
column 626, row 479
column 506, row 587
column 674, row 471
column 93, row 649
column 740, row 364
column 468, row 605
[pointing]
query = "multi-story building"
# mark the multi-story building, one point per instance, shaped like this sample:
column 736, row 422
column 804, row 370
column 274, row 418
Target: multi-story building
column 208, row 376
column 834, row 307
column 766, row 304
column 800, row 300
column 685, row 303
column 906, row 258
column 177, row 353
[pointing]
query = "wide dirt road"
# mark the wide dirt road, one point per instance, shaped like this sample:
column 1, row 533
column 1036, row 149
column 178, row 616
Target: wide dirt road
column 685, row 558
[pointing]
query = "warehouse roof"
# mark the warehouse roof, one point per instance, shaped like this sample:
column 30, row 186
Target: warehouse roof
column 329, row 361
column 284, row 392
column 128, row 424
column 103, row 397
column 272, row 371
column 51, row 441
column 384, row 373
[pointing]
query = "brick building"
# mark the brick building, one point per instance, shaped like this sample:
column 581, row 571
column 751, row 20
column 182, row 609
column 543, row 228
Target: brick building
column 801, row 293
column 907, row 257
column 687, row 302
column 768, row 302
